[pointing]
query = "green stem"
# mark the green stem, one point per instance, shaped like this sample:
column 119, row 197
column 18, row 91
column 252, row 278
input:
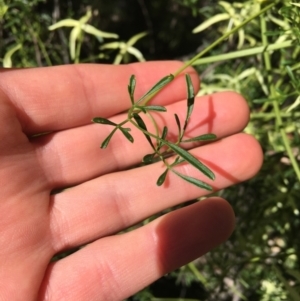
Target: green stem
column 243, row 53
column 40, row 44
column 44, row 51
column 78, row 48
column 196, row 272
column 154, row 123
column 144, row 131
column 124, row 122
column 224, row 37
column 151, row 135
column 273, row 115
column 133, row 108
column 21, row 42
column 275, row 104
column 216, row 43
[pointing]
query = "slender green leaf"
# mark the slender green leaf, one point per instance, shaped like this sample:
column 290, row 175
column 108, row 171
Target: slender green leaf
column 135, row 52
column 178, row 124
column 106, row 141
column 131, row 88
column 148, row 159
column 194, row 181
column 204, row 137
column 3, row 9
column 111, row 45
column 142, row 108
column 74, row 35
column 85, row 18
column 211, row 21
column 155, row 108
column 164, row 133
column 98, row 33
column 64, row 23
column 296, row 4
column 294, row 105
column 190, row 99
column 191, row 159
column 125, row 132
column 103, row 121
column 291, row 74
column 162, row 178
column 139, row 121
column 190, row 87
column 135, row 38
column 7, row 61
column 163, row 137
column 142, row 124
column 158, row 86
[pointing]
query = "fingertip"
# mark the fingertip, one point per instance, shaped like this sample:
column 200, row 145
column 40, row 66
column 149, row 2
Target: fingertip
column 188, row 233
column 249, row 149
column 235, row 110
column 244, row 110
column 222, row 214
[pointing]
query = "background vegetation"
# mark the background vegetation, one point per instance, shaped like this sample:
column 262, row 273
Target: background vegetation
column 261, row 61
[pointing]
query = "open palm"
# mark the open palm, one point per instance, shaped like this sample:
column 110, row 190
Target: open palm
column 105, row 193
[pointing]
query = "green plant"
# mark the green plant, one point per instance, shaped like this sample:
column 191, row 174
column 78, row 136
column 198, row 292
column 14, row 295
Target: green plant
column 163, row 148
column 24, row 26
column 261, row 260
column 275, row 92
column 7, row 61
column 79, row 27
column 125, row 49
column 22, row 30
column 235, row 13
column 3, row 9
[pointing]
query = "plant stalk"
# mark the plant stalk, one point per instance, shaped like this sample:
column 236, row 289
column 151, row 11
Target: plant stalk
column 242, row 53
column 275, row 104
column 224, row 37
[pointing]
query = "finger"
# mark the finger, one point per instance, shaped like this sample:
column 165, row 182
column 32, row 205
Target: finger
column 223, row 114
column 116, row 201
column 55, row 98
column 121, row 265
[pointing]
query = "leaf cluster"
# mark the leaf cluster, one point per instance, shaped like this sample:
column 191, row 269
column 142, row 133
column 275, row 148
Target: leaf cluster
column 29, row 37
column 162, row 148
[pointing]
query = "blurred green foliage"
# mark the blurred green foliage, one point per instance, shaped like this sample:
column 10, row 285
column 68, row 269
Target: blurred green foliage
column 168, row 23
column 261, row 260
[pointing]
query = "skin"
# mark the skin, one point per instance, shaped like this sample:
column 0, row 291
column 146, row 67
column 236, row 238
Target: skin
column 108, row 195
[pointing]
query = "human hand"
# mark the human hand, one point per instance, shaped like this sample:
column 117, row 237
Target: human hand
column 107, row 194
